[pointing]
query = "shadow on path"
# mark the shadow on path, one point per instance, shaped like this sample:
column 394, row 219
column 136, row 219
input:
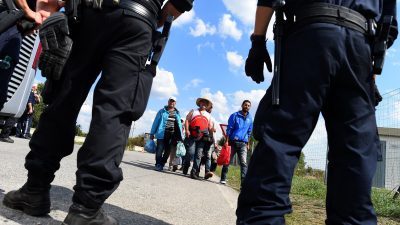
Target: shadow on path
column 150, row 166
column 60, row 201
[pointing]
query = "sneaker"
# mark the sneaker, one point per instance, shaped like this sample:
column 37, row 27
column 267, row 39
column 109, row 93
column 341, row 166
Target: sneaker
column 174, row 168
column 6, row 139
column 223, row 182
column 194, row 176
column 33, row 203
column 80, row 215
column 208, row 175
column 159, row 167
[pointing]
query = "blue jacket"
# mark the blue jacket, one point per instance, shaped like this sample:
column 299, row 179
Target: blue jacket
column 239, row 127
column 161, row 120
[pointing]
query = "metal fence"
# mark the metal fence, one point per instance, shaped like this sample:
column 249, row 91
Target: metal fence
column 388, row 119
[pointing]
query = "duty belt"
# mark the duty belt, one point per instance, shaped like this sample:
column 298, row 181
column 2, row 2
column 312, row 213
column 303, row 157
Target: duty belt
column 134, row 7
column 334, row 14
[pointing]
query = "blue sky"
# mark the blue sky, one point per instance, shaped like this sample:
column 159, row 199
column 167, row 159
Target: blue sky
column 205, row 57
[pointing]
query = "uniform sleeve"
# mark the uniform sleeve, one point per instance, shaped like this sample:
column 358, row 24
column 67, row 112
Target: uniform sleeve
column 182, row 5
column 267, row 3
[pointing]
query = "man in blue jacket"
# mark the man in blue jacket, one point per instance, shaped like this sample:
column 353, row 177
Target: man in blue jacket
column 167, row 129
column 238, row 132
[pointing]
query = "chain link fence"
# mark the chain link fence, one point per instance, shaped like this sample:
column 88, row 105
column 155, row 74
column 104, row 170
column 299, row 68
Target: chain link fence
column 388, row 119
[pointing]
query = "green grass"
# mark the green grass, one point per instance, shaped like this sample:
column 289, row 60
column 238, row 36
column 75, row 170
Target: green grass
column 233, row 177
column 308, row 198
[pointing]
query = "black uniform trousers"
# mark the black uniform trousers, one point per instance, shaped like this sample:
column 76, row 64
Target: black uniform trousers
column 326, row 68
column 117, row 44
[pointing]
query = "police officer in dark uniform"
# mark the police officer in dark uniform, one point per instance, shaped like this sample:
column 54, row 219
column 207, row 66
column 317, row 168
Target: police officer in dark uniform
column 113, row 38
column 326, row 67
column 10, row 43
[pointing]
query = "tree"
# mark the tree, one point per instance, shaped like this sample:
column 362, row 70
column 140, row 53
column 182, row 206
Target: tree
column 78, row 131
column 39, row 107
column 301, row 166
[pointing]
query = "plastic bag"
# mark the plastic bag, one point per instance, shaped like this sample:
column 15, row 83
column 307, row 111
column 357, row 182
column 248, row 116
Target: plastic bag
column 224, row 156
column 150, row 146
column 180, row 149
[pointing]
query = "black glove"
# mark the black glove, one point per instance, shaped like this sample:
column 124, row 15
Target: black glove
column 56, row 45
column 258, row 55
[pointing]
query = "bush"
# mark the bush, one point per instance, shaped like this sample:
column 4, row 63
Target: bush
column 384, row 203
column 135, row 141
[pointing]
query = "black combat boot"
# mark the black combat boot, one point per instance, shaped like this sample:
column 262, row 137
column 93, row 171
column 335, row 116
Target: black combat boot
column 34, row 202
column 80, row 215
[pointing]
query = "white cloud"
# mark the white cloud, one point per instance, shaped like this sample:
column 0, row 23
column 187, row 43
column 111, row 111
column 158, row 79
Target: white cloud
column 228, row 27
column 205, row 45
column 270, row 30
column 164, row 85
column 85, row 115
column 202, row 29
column 244, row 10
column 184, row 19
column 220, row 103
column 238, row 97
column 235, row 61
column 193, row 83
column 143, row 125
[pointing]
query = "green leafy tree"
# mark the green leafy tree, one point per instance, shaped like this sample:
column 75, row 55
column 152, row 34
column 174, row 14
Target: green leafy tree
column 39, row 107
column 221, row 141
column 78, row 131
column 301, row 169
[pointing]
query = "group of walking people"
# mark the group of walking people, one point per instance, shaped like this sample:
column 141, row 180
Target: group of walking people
column 198, row 134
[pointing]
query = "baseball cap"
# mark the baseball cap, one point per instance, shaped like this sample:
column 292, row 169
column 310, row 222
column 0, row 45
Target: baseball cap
column 172, row 98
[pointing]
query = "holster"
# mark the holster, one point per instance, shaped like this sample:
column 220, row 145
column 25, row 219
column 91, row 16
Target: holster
column 9, row 18
column 72, row 9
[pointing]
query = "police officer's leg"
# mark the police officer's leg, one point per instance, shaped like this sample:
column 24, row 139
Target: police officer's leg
column 115, row 100
column 54, row 136
column 352, row 137
column 283, row 131
column 6, row 130
column 242, row 155
column 225, row 168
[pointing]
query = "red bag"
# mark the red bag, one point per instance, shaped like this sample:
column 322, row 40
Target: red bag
column 224, row 156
